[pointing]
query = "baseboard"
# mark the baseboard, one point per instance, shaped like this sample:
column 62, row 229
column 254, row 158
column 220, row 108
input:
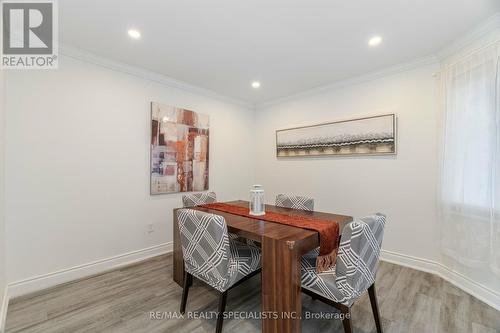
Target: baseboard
column 3, row 309
column 44, row 281
column 481, row 292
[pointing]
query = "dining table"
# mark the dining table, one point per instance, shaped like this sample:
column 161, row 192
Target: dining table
column 282, row 247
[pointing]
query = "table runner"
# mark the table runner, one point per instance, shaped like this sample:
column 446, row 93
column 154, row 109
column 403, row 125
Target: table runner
column 328, row 229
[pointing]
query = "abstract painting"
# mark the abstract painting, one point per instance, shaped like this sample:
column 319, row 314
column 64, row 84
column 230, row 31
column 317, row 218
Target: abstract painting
column 363, row 136
column 179, row 150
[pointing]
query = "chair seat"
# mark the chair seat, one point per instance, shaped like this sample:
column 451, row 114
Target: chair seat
column 246, row 260
column 320, row 283
column 232, row 236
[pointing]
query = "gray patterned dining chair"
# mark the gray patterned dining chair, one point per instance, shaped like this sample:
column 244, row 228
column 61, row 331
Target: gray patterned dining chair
column 355, row 270
column 202, row 198
column 295, row 202
column 212, row 257
column 196, row 199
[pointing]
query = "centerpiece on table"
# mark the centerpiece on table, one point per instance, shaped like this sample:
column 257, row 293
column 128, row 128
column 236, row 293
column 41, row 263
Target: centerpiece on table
column 257, row 207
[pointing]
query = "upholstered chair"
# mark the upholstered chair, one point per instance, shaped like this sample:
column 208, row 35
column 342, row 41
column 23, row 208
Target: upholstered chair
column 355, row 270
column 202, row 198
column 212, row 257
column 295, row 202
column 195, row 199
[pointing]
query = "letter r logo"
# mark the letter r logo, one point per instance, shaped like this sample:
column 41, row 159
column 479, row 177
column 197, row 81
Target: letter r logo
column 27, row 27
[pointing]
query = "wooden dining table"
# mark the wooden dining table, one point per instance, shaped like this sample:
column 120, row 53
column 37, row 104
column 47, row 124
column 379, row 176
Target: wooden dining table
column 282, row 247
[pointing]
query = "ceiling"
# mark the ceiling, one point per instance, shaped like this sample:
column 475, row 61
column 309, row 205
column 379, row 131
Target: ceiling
column 288, row 45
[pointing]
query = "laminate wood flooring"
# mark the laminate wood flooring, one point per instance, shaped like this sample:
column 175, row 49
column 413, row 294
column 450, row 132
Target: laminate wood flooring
column 141, row 297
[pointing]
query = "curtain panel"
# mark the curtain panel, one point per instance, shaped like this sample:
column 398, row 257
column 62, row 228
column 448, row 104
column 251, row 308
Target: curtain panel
column 470, row 167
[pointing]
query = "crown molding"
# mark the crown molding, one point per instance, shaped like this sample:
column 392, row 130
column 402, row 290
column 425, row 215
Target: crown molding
column 392, row 70
column 88, row 57
column 81, row 55
column 480, row 32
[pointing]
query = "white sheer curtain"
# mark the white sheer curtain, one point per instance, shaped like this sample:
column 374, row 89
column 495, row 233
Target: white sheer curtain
column 470, row 174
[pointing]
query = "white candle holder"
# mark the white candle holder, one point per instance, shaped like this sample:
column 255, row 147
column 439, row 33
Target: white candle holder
column 257, row 201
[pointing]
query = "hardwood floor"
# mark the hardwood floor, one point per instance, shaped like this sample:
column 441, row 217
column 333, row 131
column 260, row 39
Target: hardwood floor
column 122, row 301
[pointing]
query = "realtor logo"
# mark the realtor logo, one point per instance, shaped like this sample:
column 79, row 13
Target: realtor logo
column 29, row 34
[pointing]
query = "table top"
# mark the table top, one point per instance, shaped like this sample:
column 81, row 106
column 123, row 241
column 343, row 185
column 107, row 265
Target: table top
column 256, row 229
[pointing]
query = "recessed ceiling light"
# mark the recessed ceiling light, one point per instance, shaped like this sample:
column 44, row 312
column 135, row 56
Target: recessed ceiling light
column 375, row 40
column 135, row 34
column 256, row 84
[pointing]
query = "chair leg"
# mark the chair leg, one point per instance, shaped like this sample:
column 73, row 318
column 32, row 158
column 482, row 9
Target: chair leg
column 376, row 313
column 188, row 281
column 346, row 311
column 222, row 308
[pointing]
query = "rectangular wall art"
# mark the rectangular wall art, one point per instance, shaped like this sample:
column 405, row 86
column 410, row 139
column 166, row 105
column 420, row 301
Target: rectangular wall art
column 363, row 136
column 179, row 150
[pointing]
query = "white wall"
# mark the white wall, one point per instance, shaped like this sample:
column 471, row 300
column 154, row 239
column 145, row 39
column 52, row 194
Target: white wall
column 77, row 164
column 402, row 186
column 3, row 247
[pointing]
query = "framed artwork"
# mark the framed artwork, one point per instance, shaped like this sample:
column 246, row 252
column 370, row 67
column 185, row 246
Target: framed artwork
column 179, row 150
column 363, row 136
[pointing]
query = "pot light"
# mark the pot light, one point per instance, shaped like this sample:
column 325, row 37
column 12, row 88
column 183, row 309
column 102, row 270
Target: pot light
column 375, row 40
column 256, row 84
column 134, row 34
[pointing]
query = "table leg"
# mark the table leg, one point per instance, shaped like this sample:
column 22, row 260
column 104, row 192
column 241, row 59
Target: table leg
column 281, row 295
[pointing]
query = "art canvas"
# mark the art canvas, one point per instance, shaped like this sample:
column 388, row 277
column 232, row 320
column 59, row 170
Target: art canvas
column 179, row 150
column 363, row 136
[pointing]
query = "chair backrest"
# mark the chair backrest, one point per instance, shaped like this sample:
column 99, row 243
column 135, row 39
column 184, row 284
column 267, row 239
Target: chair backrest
column 358, row 256
column 295, row 201
column 205, row 246
column 195, row 199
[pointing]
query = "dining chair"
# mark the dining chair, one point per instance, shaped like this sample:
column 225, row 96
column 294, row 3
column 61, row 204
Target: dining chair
column 212, row 257
column 355, row 270
column 196, row 199
column 202, row 198
column 295, row 201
